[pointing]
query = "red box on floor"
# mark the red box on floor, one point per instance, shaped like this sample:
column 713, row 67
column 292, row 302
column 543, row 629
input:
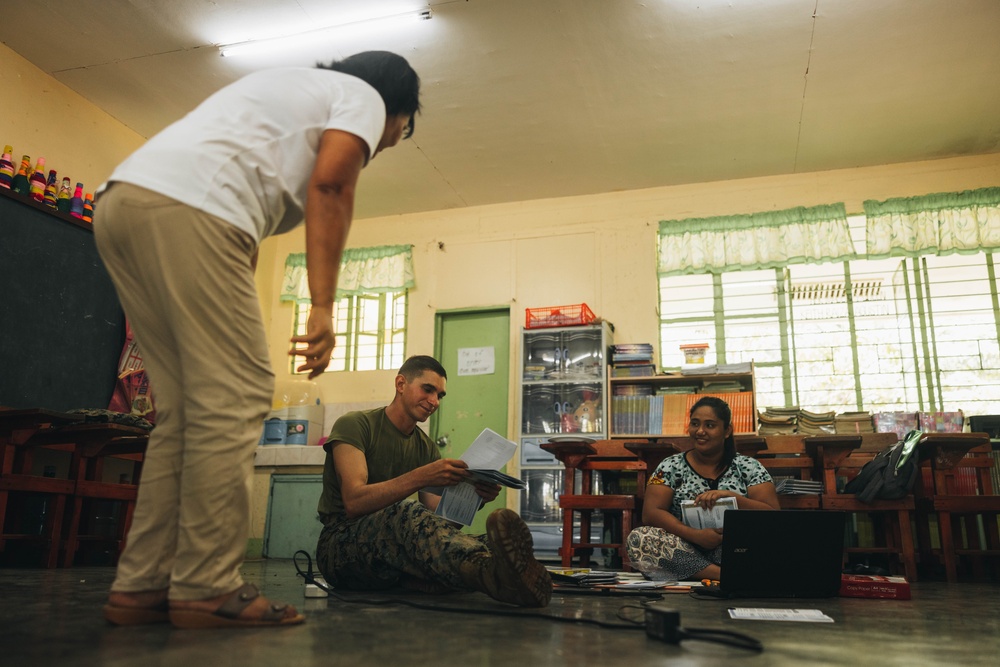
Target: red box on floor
column 872, row 586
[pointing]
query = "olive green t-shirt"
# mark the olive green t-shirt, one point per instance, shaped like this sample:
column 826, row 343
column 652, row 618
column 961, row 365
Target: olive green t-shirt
column 388, row 452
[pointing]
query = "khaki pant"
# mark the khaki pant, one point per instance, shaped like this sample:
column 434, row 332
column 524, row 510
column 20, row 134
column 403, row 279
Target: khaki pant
column 185, row 282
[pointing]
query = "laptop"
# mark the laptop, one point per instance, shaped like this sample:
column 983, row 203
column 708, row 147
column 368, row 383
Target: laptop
column 781, row 554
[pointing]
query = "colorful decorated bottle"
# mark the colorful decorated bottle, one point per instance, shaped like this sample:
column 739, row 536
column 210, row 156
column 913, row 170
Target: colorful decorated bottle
column 51, row 189
column 37, row 181
column 6, row 168
column 65, row 194
column 76, row 203
column 88, row 208
column 20, row 184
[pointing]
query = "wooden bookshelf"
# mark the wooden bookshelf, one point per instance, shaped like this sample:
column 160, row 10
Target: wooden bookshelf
column 639, row 416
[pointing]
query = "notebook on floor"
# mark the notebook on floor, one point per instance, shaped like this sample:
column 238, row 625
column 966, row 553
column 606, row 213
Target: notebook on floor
column 783, row 553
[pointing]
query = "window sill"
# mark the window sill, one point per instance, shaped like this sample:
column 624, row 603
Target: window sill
column 289, row 455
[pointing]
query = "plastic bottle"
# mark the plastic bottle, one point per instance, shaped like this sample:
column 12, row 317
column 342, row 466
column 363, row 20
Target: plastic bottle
column 20, row 183
column 51, row 189
column 6, row 168
column 88, row 208
column 76, row 203
column 36, row 182
column 65, row 194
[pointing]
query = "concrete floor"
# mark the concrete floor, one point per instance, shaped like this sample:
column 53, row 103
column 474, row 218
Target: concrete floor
column 53, row 617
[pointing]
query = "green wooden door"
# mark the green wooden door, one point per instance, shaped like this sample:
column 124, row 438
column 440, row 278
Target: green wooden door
column 465, row 342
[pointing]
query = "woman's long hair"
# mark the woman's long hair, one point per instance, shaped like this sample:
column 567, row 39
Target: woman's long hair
column 725, row 414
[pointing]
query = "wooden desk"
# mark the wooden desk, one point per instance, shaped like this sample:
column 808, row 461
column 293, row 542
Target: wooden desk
column 24, row 431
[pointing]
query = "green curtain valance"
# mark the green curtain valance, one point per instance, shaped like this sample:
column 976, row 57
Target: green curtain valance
column 754, row 241
column 370, row 270
column 940, row 224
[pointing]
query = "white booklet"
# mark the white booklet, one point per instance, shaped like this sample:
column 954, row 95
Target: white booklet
column 696, row 517
column 485, row 456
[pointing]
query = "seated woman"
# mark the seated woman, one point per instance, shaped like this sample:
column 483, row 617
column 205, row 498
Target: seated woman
column 711, row 470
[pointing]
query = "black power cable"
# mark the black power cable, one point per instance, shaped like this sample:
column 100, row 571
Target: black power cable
column 659, row 621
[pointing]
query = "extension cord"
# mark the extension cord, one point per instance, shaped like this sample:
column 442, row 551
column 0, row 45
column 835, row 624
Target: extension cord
column 314, row 591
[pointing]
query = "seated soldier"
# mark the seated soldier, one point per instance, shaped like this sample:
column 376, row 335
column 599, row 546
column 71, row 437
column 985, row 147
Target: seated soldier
column 376, row 537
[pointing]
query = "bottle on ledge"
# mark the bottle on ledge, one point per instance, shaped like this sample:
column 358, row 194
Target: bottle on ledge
column 20, row 183
column 76, row 203
column 88, row 208
column 6, row 168
column 37, row 181
column 51, row 189
column 65, row 194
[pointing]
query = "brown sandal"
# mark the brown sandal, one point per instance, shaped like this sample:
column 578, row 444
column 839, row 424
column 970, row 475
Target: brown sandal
column 228, row 614
column 118, row 615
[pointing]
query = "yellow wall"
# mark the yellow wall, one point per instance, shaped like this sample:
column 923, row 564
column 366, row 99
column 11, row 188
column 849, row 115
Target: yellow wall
column 42, row 117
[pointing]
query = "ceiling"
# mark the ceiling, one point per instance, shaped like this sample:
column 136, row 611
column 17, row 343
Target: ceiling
column 529, row 99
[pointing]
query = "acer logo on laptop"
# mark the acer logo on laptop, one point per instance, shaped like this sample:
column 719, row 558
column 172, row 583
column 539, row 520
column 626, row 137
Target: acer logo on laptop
column 740, row 550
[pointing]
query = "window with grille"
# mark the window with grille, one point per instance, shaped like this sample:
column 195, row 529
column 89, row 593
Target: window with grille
column 877, row 335
column 369, row 330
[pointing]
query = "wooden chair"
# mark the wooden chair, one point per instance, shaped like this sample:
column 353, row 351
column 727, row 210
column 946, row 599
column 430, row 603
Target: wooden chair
column 121, row 442
column 23, row 432
column 963, row 498
column 844, row 456
column 586, row 458
column 18, row 484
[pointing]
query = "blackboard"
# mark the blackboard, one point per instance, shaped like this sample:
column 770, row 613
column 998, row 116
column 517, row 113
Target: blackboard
column 61, row 326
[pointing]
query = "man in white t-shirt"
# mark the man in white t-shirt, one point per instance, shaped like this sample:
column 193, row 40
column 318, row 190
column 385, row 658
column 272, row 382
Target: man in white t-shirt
column 178, row 226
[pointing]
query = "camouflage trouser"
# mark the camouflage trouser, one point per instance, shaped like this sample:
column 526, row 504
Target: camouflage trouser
column 405, row 541
column 654, row 549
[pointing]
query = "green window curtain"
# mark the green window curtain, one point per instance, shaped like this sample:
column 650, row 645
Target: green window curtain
column 939, row 224
column 754, row 241
column 371, row 270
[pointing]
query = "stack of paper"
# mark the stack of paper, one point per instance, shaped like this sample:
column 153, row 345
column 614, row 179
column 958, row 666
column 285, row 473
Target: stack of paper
column 582, row 577
column 790, row 486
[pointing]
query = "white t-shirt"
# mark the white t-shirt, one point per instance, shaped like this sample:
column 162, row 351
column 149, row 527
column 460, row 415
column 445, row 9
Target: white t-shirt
column 246, row 153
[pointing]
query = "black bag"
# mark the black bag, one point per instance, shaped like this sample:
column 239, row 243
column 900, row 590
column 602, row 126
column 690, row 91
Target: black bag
column 890, row 475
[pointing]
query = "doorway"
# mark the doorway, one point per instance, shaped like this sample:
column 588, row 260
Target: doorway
column 474, row 348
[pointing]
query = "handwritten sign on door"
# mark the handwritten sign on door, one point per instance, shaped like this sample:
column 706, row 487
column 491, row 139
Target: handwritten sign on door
column 476, row 361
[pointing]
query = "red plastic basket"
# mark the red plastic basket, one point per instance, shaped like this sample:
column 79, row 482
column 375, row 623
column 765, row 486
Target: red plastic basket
column 558, row 316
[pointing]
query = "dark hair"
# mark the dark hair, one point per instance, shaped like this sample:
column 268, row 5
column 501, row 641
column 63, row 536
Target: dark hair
column 413, row 367
column 725, row 414
column 390, row 75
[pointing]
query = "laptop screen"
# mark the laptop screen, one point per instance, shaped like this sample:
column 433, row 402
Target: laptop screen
column 782, row 553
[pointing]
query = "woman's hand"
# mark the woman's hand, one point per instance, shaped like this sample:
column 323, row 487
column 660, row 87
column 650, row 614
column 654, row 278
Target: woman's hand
column 708, row 499
column 319, row 342
column 707, row 538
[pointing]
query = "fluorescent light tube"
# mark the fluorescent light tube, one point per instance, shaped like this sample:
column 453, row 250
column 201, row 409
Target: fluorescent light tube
column 257, row 46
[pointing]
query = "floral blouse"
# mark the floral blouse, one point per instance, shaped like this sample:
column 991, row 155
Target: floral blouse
column 677, row 473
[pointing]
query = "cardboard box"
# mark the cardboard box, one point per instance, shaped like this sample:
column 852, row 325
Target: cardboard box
column 873, row 586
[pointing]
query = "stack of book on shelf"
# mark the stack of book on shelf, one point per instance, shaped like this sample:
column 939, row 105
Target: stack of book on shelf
column 632, row 406
column 632, row 360
column 816, row 423
column 637, row 411
column 854, row 422
column 720, row 387
column 717, row 369
column 793, row 487
column 777, row 421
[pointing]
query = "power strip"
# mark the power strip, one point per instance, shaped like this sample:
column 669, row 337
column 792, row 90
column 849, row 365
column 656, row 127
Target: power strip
column 314, row 591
